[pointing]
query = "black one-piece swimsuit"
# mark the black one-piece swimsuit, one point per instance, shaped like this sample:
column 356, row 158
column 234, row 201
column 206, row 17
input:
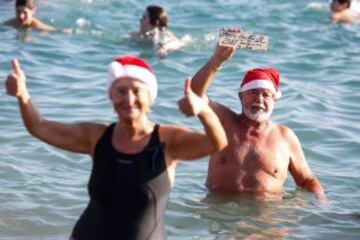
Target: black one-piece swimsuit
column 128, row 193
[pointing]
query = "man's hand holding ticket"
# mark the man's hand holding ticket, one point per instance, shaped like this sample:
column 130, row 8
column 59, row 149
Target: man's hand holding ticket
column 243, row 40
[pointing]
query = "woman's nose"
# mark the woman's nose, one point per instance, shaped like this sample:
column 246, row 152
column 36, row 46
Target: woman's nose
column 130, row 97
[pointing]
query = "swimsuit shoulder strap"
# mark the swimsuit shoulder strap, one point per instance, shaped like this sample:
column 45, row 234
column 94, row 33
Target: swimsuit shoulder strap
column 155, row 139
column 105, row 139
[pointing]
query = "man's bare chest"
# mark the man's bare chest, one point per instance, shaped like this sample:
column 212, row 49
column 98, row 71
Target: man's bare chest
column 256, row 154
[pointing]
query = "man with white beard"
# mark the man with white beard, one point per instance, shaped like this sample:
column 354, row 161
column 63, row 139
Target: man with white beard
column 260, row 152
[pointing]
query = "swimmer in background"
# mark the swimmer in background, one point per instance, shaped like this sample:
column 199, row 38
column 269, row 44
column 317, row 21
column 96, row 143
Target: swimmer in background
column 25, row 12
column 153, row 28
column 343, row 12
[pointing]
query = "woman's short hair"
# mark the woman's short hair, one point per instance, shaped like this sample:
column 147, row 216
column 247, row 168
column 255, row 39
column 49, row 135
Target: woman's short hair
column 157, row 16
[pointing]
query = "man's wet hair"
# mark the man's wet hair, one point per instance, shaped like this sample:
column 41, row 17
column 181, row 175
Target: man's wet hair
column 157, row 13
column 348, row 2
column 25, row 3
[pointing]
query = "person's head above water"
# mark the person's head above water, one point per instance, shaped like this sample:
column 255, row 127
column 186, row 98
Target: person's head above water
column 25, row 3
column 134, row 68
column 153, row 17
column 266, row 78
column 342, row 11
column 25, row 18
column 157, row 16
column 25, row 10
column 258, row 93
column 340, row 5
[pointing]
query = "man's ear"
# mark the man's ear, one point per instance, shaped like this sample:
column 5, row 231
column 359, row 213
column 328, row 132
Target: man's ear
column 240, row 95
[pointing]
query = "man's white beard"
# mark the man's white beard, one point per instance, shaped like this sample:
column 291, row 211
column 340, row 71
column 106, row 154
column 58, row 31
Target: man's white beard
column 260, row 116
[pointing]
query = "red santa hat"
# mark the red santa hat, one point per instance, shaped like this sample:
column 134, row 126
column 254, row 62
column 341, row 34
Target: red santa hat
column 134, row 67
column 267, row 78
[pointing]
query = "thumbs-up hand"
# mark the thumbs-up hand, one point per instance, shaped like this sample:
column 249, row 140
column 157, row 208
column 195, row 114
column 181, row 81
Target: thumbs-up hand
column 191, row 104
column 16, row 81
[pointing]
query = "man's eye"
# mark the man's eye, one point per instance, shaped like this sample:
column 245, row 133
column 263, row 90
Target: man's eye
column 268, row 95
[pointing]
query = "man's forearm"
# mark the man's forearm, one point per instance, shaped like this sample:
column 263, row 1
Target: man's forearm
column 202, row 79
column 313, row 185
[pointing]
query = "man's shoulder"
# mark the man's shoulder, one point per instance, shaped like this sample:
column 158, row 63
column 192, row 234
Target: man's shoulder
column 221, row 110
column 286, row 133
column 38, row 24
column 282, row 129
column 341, row 17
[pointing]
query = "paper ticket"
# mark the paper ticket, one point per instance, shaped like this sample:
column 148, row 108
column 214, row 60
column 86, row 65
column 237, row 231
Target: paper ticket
column 243, row 40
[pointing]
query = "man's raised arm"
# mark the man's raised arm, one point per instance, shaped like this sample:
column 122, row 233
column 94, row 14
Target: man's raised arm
column 202, row 79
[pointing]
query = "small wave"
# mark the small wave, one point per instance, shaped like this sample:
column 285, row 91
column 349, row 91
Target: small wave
column 82, row 22
column 317, row 5
column 186, row 38
column 355, row 6
column 97, row 33
column 210, row 37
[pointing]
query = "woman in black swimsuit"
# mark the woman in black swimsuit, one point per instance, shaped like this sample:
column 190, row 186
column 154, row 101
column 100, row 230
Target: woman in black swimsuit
column 134, row 159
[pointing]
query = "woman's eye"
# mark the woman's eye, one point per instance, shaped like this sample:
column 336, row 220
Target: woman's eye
column 139, row 91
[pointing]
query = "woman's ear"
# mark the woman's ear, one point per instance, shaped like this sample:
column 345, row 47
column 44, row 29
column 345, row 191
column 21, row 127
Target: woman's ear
column 110, row 94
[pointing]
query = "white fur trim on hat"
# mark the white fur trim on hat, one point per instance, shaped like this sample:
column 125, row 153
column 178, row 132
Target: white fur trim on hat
column 261, row 83
column 117, row 70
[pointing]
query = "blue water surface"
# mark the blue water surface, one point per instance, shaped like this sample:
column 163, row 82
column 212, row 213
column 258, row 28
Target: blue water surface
column 43, row 189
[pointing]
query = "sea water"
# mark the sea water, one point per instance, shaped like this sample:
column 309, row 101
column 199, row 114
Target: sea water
column 43, row 189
